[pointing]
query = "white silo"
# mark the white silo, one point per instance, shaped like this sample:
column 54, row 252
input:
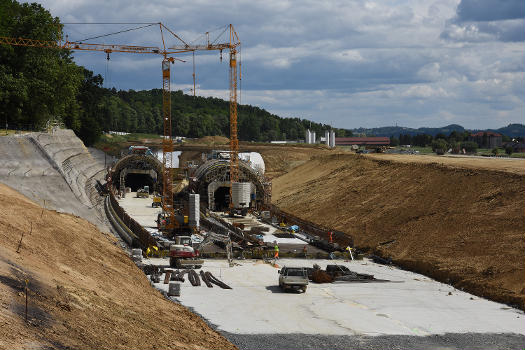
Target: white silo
column 332, row 138
column 312, row 137
column 327, row 137
column 307, row 136
column 241, row 194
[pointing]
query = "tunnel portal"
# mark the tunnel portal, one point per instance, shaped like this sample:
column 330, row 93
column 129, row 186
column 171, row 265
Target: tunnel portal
column 136, row 171
column 211, row 181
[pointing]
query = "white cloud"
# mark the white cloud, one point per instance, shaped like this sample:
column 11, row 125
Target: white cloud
column 355, row 63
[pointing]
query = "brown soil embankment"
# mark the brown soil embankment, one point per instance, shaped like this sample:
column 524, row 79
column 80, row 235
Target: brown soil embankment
column 461, row 226
column 84, row 291
column 279, row 160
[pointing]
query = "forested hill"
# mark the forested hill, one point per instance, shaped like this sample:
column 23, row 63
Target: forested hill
column 140, row 111
column 37, row 84
column 512, row 130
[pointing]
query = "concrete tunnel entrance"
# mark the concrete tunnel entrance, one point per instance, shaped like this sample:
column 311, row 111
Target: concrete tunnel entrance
column 136, row 171
column 211, row 180
column 138, row 181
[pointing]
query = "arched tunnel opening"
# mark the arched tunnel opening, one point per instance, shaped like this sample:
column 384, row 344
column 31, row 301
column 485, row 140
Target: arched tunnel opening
column 222, row 198
column 138, row 181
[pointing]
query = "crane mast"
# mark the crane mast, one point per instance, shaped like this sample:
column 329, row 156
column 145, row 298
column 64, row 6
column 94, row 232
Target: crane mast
column 167, row 147
column 232, row 44
column 167, row 141
column 234, row 142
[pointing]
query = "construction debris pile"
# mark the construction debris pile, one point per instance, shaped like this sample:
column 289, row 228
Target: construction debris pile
column 338, row 273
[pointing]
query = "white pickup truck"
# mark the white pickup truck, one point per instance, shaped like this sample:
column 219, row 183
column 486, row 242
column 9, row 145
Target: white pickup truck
column 294, row 278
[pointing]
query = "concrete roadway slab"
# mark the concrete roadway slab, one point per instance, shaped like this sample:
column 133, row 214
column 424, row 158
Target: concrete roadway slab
column 411, row 305
column 140, row 209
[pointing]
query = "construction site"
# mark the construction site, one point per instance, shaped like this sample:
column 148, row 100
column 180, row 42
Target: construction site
column 254, row 246
column 101, row 272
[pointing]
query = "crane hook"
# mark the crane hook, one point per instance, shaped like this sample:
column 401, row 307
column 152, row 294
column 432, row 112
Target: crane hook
column 221, row 55
column 107, row 55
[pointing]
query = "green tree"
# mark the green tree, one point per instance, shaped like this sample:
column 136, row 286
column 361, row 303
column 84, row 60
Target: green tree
column 37, row 83
column 394, row 141
column 469, row 146
column 439, row 146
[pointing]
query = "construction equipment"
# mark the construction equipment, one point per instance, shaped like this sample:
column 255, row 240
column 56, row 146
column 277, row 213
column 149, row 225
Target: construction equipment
column 157, row 200
column 143, row 192
column 182, row 227
column 232, row 45
column 183, row 253
column 213, row 238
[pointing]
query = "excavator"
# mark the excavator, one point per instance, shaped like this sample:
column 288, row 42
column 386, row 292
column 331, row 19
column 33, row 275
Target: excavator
column 183, row 254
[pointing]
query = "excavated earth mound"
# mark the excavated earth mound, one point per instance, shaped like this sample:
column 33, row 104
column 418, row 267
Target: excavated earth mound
column 458, row 225
column 84, row 291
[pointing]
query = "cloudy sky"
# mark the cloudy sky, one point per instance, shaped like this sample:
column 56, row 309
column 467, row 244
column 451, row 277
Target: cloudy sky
column 348, row 63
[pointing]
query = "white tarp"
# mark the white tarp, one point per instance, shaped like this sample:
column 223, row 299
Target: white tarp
column 255, row 159
column 175, row 158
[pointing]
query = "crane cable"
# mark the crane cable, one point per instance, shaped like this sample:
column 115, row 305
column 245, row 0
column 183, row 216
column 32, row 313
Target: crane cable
column 193, row 52
column 119, row 32
column 240, row 76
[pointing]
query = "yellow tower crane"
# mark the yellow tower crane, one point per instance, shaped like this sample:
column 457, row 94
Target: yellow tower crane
column 167, row 53
column 233, row 44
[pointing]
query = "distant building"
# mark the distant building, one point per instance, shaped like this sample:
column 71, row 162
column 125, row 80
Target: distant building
column 310, row 136
column 362, row 141
column 332, row 139
column 487, row 139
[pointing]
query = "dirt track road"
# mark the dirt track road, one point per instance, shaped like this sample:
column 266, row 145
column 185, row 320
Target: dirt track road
column 511, row 165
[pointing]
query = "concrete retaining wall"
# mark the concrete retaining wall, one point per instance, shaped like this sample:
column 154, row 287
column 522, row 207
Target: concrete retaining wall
column 56, row 171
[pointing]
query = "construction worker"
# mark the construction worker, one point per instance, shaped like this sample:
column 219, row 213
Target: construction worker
column 305, row 251
column 330, row 237
column 349, row 251
column 276, row 250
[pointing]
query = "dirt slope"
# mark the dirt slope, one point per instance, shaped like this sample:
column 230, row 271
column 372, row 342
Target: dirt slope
column 510, row 165
column 85, row 293
column 279, row 160
column 462, row 226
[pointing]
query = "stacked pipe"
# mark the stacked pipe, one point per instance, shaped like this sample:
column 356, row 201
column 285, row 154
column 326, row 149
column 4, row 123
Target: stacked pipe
column 205, row 279
column 215, row 281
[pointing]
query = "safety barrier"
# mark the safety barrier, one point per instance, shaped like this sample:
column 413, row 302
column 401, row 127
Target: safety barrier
column 142, row 238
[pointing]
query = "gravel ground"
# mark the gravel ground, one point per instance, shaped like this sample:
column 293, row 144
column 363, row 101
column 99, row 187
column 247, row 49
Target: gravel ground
column 298, row 341
column 460, row 341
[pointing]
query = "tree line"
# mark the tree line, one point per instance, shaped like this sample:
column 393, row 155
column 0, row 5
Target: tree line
column 457, row 141
column 39, row 84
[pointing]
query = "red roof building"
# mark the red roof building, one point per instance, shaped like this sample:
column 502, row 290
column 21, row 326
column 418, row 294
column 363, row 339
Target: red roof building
column 362, row 141
column 487, row 139
column 489, row 133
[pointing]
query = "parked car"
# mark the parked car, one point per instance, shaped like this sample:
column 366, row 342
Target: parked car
column 293, row 278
